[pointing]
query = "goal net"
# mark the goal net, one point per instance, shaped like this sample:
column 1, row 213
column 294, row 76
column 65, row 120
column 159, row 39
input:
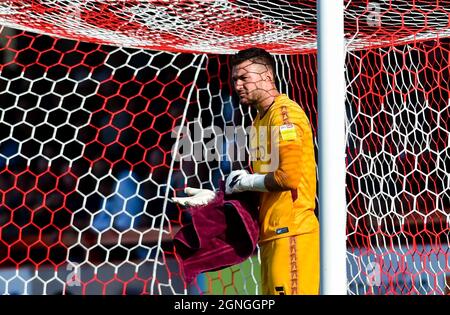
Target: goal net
column 95, row 96
column 398, row 146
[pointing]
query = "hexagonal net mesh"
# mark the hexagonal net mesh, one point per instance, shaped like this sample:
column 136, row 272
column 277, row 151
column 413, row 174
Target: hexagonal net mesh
column 88, row 126
column 215, row 26
column 398, row 148
column 87, row 165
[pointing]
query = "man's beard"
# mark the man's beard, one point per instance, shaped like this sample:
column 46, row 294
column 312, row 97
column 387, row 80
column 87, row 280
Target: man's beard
column 248, row 101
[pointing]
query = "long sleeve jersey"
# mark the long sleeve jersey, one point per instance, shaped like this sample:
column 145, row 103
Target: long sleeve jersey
column 288, row 209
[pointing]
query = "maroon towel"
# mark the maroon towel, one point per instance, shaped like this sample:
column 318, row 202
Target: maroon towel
column 222, row 233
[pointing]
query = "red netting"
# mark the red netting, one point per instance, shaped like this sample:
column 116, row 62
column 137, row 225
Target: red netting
column 215, row 26
column 87, row 165
column 223, row 26
column 88, row 130
column 398, row 152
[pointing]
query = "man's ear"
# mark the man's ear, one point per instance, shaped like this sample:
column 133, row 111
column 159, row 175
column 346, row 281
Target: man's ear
column 268, row 76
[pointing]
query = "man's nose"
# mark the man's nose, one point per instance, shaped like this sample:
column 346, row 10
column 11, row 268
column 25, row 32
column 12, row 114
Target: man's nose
column 238, row 85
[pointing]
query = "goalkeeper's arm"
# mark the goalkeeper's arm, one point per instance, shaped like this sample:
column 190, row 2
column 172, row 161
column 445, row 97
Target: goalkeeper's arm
column 286, row 176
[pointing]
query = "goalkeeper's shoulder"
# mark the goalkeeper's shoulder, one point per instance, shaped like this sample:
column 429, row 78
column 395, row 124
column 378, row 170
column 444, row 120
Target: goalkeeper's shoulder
column 287, row 112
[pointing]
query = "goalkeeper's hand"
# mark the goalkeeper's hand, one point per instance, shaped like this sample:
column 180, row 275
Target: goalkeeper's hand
column 239, row 181
column 198, row 197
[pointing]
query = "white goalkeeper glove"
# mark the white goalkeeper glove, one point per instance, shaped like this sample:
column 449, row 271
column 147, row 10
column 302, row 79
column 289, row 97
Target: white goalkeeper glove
column 198, row 197
column 239, row 181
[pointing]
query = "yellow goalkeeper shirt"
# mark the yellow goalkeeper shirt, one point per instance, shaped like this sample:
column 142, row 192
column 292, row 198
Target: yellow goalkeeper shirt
column 290, row 211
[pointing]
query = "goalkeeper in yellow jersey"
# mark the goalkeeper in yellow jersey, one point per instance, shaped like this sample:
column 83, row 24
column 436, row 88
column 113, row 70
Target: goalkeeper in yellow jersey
column 289, row 230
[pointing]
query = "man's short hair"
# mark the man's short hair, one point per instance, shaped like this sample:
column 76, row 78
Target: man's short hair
column 258, row 55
